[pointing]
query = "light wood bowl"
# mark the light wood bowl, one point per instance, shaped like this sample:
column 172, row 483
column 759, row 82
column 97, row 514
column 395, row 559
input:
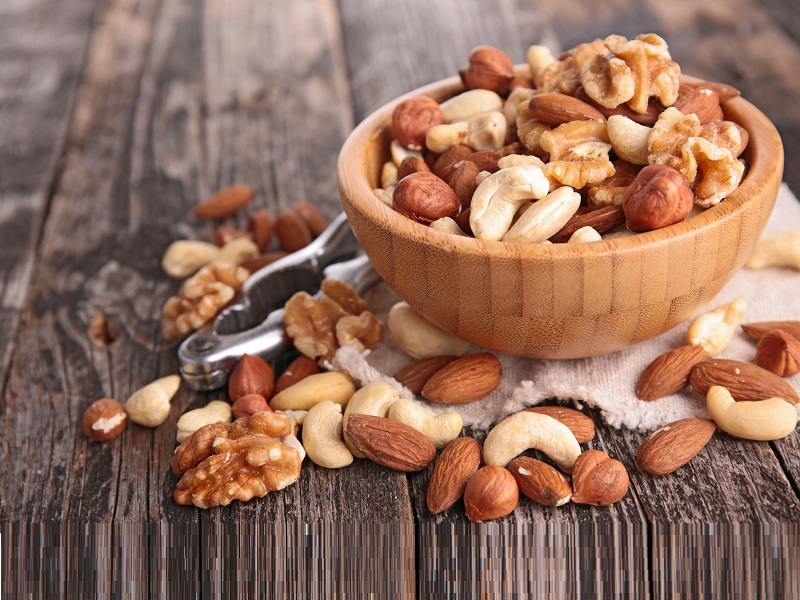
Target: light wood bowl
column 560, row 300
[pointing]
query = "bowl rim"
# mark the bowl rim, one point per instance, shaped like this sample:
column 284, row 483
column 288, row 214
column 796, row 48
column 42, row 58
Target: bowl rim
column 764, row 142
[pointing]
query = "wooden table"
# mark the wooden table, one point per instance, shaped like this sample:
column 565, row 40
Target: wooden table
column 118, row 116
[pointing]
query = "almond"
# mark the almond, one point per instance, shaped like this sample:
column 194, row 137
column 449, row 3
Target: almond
column 464, row 182
column 465, row 379
column 423, row 197
column 485, row 160
column 415, row 375
column 491, row 493
column 411, row 164
column 456, row 464
column 779, row 353
column 292, row 231
column 225, row 202
column 649, row 118
column 756, row 331
column 724, row 91
column 390, row 443
column 669, row 373
column 744, row 381
column 251, row 376
column 702, row 102
column 412, row 119
column 262, row 260
column 601, row 220
column 462, row 220
column 581, row 425
column 300, row 368
column 259, row 225
column 445, row 165
column 598, row 479
column 670, row 447
column 557, row 109
column 316, row 222
column 540, row 482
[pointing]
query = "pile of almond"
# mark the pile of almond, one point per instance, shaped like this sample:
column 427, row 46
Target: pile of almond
column 601, row 142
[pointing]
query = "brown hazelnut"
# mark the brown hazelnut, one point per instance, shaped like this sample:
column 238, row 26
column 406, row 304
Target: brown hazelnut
column 411, row 164
column 779, row 352
column 104, row 420
column 259, row 225
column 252, row 375
column 412, row 119
column 490, row 494
column 489, row 68
column 423, row 197
column 248, row 405
column 658, row 197
column 598, row 479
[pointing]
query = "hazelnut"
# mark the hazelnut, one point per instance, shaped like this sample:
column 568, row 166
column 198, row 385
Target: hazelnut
column 104, row 420
column 489, row 68
column 598, row 479
column 423, row 197
column 658, row 197
column 491, row 493
column 412, row 119
column 779, row 352
column 248, row 405
column 412, row 164
column 252, row 375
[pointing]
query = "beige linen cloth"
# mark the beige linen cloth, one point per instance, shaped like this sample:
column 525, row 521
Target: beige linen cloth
column 604, row 382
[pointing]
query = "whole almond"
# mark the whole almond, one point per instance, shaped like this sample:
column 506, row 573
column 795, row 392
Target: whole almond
column 412, row 119
column 648, row 118
column 390, row 443
column 669, row 373
column 779, row 353
column 491, row 493
column 315, row 220
column 300, row 368
column 557, row 109
column 601, row 220
column 259, row 225
column 540, row 482
column 411, row 164
column 598, row 479
column 456, row 464
column 670, row 447
column 703, row 102
column 225, row 234
column 744, row 381
column 465, row 379
column 225, row 202
column 462, row 220
column 464, row 182
column 248, row 405
column 262, row 260
column 252, row 375
column 755, row 331
column 581, row 425
column 415, row 375
column 445, row 165
column 423, row 197
column 724, row 91
column 292, row 231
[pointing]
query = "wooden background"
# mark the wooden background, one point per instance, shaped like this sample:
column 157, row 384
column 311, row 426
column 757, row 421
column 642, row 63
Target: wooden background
column 118, row 116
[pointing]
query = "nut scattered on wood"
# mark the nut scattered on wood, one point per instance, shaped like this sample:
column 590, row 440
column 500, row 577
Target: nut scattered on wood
column 259, row 225
column 333, row 385
column 779, row 352
column 581, row 425
column 316, row 221
column 540, row 482
column 456, row 464
column 390, row 443
column 292, row 230
column 670, row 447
column 669, row 373
column 598, row 479
column 149, row 406
column 104, row 420
column 300, row 368
column 763, row 420
column 491, row 493
column 215, row 411
column 225, row 202
column 744, row 381
column 464, row 379
column 99, row 331
column 252, row 375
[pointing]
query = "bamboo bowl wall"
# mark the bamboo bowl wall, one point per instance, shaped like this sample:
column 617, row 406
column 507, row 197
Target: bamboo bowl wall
column 560, row 300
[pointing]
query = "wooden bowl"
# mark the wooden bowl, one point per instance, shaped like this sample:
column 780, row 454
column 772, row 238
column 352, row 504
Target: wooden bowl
column 559, row 300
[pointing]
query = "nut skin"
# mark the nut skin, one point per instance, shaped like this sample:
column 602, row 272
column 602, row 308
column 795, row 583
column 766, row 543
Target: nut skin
column 300, row 368
column 779, row 352
column 457, row 463
column 248, row 405
column 445, row 165
column 259, row 226
column 540, row 482
column 744, row 381
column 411, row 164
column 412, row 119
column 465, row 379
column 292, row 230
column 755, row 331
column 669, row 373
column 598, row 479
column 104, row 420
column 489, row 68
column 315, row 220
column 658, row 197
column 491, row 493
column 670, row 447
column 225, row 202
column 252, row 375
column 423, row 197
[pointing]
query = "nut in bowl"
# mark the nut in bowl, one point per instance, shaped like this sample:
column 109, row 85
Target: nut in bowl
column 564, row 300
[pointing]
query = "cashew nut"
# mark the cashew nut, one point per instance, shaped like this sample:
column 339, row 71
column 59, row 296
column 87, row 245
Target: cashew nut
column 237, row 251
column 470, row 104
column 545, row 217
column 499, row 196
column 447, row 225
column 215, row 411
column 629, row 139
column 518, row 160
column 385, row 196
column 334, row 386
column 441, row 429
column 373, row 399
column 538, row 58
column 399, row 152
column 763, row 420
column 585, row 234
column 418, row 337
column 150, row 405
column 484, row 132
column 185, row 257
column 714, row 329
column 297, row 418
column 482, row 176
column 292, row 441
column 779, row 250
column 524, row 430
column 388, row 174
column 322, row 436
column 515, row 98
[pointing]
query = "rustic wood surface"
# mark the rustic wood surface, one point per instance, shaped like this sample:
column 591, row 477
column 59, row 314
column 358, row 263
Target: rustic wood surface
column 118, row 116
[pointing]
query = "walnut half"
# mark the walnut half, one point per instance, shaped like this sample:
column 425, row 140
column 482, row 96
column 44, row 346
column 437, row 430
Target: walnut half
column 238, row 461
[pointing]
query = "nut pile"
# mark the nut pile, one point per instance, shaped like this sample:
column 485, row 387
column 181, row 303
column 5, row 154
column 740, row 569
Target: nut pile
column 601, row 142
